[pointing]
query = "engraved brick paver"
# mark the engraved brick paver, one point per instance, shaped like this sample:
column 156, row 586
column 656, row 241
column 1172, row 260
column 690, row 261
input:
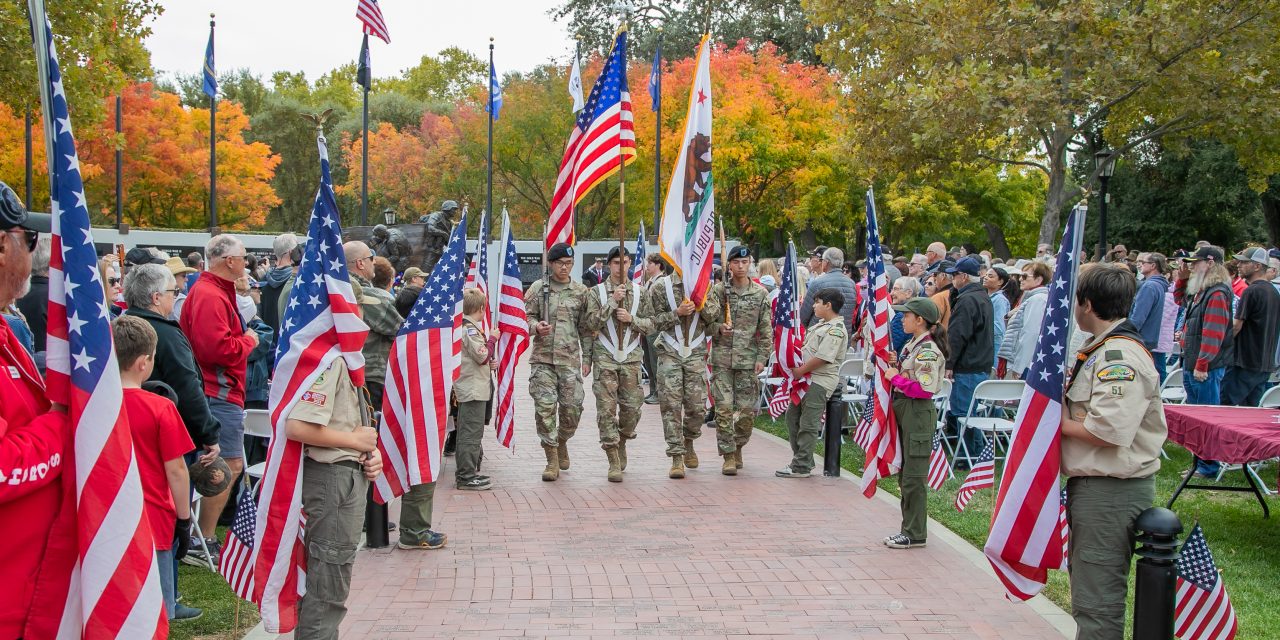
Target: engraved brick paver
column 709, row 556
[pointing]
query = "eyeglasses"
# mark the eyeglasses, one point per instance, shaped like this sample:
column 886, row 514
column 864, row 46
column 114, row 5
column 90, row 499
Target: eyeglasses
column 113, row 281
column 175, row 291
column 32, row 237
column 241, row 256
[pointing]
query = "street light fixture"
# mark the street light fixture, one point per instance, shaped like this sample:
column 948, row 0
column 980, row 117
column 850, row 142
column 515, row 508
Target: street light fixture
column 389, row 215
column 1105, row 161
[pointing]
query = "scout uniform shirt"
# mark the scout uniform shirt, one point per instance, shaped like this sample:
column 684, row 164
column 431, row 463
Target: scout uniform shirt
column 616, row 343
column 566, row 343
column 1116, row 394
column 827, row 340
column 334, row 402
column 751, row 342
column 924, row 363
column 475, row 381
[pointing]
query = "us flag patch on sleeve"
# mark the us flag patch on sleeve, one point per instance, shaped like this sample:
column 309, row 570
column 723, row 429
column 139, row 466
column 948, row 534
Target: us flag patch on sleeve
column 311, row 397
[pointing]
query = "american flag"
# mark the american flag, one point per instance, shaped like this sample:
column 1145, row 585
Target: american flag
column 320, row 325
column 478, row 272
column 1202, row 609
column 884, row 456
column 420, row 375
column 1064, row 529
column 513, row 334
column 1025, row 541
column 602, row 136
column 862, row 432
column 370, row 14
column 114, row 588
column 637, row 268
column 939, row 470
column 981, row 476
column 233, row 564
column 788, row 338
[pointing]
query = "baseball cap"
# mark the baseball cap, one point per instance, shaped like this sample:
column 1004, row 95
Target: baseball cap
column 139, row 255
column 768, row 282
column 210, row 479
column 14, row 214
column 923, row 307
column 413, row 272
column 818, row 251
column 1253, row 254
column 559, row 250
column 1206, row 252
column 967, row 265
column 943, row 266
column 178, row 267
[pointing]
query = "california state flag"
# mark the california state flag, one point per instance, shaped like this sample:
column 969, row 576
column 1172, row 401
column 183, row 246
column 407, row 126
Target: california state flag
column 687, row 235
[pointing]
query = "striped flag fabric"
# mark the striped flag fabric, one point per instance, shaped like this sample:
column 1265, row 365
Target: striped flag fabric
column 788, row 338
column 114, row 586
column 939, row 469
column 637, row 267
column 1202, row 610
column 1064, row 529
column 603, row 137
column 320, row 324
column 884, row 456
column 981, row 476
column 513, row 334
column 1025, row 541
column 862, row 432
column 421, row 370
column 234, row 563
column 478, row 272
column 370, row 14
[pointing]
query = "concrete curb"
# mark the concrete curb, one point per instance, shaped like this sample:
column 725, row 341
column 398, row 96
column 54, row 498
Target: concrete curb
column 1044, row 607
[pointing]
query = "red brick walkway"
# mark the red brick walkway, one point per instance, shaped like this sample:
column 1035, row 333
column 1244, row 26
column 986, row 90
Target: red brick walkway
column 709, row 556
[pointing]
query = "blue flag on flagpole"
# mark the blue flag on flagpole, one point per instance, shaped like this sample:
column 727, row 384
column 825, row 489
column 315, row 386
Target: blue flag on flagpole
column 210, row 73
column 495, row 92
column 655, row 78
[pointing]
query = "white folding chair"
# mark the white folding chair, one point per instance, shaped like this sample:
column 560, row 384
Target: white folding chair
column 257, row 422
column 851, row 392
column 1171, row 390
column 196, row 503
column 990, row 398
column 1271, row 398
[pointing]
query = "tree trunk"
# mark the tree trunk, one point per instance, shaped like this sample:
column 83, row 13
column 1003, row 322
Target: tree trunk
column 808, row 239
column 779, row 242
column 999, row 246
column 1056, row 195
column 1271, row 214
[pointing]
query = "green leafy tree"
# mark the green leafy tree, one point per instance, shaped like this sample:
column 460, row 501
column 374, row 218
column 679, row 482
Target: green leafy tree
column 281, row 125
column 447, row 76
column 1020, row 83
column 238, row 85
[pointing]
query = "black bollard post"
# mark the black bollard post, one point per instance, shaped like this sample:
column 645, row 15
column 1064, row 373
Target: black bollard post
column 1157, row 576
column 376, row 535
column 831, row 439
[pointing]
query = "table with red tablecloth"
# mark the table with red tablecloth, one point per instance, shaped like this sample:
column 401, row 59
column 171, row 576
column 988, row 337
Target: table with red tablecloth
column 1234, row 435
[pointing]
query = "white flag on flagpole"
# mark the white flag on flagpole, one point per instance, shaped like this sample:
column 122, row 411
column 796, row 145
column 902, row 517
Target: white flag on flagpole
column 575, row 84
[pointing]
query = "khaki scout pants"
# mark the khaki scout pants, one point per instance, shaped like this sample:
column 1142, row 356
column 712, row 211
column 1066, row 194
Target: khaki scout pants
column 470, row 428
column 804, row 423
column 333, row 497
column 917, row 420
column 736, row 394
column 555, row 388
column 1101, row 513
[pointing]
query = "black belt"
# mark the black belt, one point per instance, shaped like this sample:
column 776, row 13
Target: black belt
column 350, row 464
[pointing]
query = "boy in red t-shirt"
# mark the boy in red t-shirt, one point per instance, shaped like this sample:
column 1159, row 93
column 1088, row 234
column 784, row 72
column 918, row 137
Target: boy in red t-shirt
column 159, row 441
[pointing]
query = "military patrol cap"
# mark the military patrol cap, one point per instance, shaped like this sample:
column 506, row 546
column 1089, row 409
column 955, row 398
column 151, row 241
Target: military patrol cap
column 449, row 205
column 740, row 251
column 559, row 250
column 923, row 307
column 613, row 253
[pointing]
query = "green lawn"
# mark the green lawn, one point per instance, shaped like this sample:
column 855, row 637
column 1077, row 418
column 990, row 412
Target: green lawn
column 1245, row 546
column 208, row 591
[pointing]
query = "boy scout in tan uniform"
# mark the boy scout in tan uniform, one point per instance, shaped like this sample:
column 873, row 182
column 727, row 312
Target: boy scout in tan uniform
column 1113, row 428
column 473, row 391
column 556, row 363
column 823, row 351
column 618, row 316
column 739, row 351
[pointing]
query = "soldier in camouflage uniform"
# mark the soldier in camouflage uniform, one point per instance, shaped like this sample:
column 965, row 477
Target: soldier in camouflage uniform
column 556, row 359
column 617, row 316
column 682, row 365
column 739, row 351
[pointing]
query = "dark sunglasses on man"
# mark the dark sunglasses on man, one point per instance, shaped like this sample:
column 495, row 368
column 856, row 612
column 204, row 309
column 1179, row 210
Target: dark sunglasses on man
column 15, row 217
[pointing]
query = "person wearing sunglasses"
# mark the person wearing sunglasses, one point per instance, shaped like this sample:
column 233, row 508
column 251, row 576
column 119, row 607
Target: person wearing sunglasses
column 33, row 435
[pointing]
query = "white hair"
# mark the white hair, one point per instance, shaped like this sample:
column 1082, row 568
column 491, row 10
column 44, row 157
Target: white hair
column 143, row 281
column 221, row 245
column 835, row 256
column 909, row 283
column 40, row 257
column 283, row 244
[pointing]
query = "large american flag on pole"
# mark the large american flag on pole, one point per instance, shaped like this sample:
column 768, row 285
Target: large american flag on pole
column 884, row 455
column 478, row 272
column 637, row 268
column 114, row 587
column 420, row 374
column 370, row 14
column 602, row 137
column 1025, row 539
column 234, row 563
column 1202, row 610
column 788, row 338
column 513, row 334
column 320, row 325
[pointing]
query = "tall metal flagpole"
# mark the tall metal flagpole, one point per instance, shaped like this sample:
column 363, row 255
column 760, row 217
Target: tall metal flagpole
column 30, row 156
column 488, row 198
column 657, row 144
column 622, row 187
column 119, row 162
column 364, row 140
column 213, row 149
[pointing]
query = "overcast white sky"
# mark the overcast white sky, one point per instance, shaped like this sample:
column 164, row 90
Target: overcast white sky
column 317, row 35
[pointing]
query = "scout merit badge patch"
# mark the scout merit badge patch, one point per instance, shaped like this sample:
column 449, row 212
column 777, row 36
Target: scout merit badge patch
column 1115, row 372
column 927, row 356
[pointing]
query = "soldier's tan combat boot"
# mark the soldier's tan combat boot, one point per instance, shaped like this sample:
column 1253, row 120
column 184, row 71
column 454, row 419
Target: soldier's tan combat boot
column 553, row 464
column 564, row 455
column 677, row 467
column 622, row 454
column 690, row 456
column 737, row 457
column 729, row 468
column 615, row 466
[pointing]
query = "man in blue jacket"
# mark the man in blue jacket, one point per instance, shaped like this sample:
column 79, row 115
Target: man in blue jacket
column 1147, row 313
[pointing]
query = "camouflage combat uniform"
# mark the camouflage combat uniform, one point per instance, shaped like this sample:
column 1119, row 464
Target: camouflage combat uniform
column 682, row 361
column 616, row 359
column 735, row 387
column 555, row 360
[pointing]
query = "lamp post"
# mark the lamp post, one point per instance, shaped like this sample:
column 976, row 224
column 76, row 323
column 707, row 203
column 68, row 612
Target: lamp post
column 1106, row 166
column 389, row 215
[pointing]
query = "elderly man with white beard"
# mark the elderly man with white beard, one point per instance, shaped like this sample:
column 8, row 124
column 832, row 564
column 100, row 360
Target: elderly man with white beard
column 1207, row 345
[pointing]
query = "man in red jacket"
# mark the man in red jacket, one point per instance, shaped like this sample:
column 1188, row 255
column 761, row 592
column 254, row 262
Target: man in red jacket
column 221, row 343
column 32, row 438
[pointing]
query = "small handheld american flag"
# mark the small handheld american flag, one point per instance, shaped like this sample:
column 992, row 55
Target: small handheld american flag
column 939, row 470
column 1202, row 609
column 788, row 338
column 637, row 268
column 234, row 563
column 513, row 335
column 478, row 272
column 981, row 476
